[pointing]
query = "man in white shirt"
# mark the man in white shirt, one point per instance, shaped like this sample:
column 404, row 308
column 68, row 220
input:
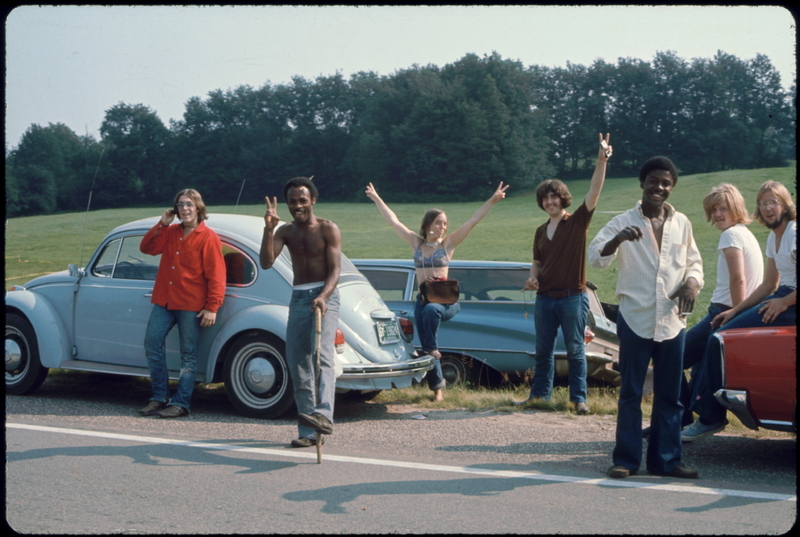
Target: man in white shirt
column 660, row 274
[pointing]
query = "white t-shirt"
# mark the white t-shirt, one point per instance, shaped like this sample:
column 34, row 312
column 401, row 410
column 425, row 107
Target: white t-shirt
column 786, row 257
column 738, row 236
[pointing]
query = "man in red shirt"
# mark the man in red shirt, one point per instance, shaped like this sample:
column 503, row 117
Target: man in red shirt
column 189, row 289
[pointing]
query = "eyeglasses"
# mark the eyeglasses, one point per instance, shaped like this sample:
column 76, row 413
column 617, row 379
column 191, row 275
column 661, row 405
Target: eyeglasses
column 768, row 203
column 188, row 205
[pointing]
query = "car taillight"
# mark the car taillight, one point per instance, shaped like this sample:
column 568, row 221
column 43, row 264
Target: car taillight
column 338, row 341
column 588, row 335
column 407, row 328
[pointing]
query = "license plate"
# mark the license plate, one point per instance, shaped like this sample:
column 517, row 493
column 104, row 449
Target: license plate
column 387, row 332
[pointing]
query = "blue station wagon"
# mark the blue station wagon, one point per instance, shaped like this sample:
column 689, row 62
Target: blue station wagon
column 94, row 319
column 493, row 336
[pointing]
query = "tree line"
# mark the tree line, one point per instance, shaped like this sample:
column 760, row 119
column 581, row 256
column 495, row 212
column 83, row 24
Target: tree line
column 445, row 133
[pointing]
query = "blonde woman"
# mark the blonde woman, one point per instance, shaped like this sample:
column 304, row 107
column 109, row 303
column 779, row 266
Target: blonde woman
column 433, row 249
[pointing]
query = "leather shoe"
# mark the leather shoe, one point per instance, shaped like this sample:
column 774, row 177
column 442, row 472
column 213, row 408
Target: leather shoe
column 619, row 472
column 316, row 421
column 152, row 407
column 581, row 408
column 173, row 411
column 306, row 442
column 683, row 472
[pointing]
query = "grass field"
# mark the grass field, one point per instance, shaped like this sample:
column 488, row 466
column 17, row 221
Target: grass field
column 41, row 244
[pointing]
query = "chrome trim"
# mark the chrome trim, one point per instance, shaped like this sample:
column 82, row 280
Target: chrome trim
column 722, row 357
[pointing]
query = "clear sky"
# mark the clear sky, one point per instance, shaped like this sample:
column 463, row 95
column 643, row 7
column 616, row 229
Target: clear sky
column 69, row 64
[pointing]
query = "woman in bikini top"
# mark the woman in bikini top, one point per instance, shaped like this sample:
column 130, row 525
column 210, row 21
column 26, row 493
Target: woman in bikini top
column 433, row 249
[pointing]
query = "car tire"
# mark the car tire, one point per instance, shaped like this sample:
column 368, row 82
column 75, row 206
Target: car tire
column 456, row 369
column 257, row 377
column 24, row 370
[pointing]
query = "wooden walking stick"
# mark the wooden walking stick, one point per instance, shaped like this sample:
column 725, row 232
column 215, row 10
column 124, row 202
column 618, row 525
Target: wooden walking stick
column 318, row 369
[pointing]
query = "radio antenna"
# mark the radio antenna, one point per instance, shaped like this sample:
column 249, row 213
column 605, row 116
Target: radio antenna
column 236, row 209
column 89, row 204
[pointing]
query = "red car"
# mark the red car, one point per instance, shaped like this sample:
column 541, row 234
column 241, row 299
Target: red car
column 759, row 376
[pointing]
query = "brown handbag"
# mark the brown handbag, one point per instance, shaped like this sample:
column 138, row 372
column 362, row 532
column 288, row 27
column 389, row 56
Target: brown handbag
column 440, row 291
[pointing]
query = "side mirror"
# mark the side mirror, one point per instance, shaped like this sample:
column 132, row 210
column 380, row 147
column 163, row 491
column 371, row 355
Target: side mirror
column 74, row 271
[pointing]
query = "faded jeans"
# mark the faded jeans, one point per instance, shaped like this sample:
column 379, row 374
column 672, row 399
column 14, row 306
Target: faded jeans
column 428, row 317
column 300, row 356
column 570, row 313
column 161, row 322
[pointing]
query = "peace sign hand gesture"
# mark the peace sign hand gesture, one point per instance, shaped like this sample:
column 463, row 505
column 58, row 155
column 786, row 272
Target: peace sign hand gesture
column 271, row 219
column 500, row 193
column 606, row 150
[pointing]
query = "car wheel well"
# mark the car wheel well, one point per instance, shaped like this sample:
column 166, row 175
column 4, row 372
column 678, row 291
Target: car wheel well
column 462, row 367
column 219, row 365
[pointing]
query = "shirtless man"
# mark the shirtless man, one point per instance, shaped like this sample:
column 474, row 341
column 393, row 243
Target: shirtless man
column 315, row 246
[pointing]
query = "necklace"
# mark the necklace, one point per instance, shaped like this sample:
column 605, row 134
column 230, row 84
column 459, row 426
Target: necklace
column 432, row 244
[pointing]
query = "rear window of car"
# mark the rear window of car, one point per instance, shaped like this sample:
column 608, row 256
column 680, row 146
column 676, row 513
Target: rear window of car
column 390, row 284
column 240, row 270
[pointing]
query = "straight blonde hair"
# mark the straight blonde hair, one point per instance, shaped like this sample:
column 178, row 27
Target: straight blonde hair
column 729, row 195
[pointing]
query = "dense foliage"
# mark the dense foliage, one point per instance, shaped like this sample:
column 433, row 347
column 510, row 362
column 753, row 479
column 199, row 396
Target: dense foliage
column 449, row 133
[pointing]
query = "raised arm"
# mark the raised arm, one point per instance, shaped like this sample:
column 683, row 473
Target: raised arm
column 599, row 176
column 271, row 244
column 461, row 233
column 408, row 236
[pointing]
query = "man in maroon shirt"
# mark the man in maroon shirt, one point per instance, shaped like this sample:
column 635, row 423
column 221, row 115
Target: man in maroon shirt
column 189, row 289
column 558, row 273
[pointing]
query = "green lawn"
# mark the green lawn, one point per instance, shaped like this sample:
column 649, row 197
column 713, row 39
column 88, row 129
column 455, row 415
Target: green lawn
column 41, row 244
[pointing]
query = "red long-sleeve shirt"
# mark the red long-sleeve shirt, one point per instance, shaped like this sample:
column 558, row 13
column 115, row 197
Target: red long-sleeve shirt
column 191, row 274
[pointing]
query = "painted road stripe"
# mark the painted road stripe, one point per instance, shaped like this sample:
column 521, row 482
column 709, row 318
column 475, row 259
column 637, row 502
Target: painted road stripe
column 622, row 483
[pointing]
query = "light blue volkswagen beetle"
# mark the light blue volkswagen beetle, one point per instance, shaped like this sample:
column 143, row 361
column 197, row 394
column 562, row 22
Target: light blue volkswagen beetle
column 94, row 319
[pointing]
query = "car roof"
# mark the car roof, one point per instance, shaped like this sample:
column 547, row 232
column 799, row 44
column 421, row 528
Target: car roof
column 235, row 226
column 454, row 263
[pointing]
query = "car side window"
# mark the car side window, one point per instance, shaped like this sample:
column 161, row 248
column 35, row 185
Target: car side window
column 240, row 270
column 132, row 264
column 490, row 284
column 390, row 284
column 104, row 267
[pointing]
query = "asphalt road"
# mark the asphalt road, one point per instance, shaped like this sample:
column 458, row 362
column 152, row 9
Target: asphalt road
column 80, row 460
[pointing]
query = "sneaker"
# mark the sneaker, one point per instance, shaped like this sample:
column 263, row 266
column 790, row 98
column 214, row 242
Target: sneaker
column 173, row 411
column 581, row 408
column 699, row 430
column 306, row 442
column 152, row 407
column 316, row 421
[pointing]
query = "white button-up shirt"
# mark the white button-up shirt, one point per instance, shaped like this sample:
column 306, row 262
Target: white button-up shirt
column 647, row 275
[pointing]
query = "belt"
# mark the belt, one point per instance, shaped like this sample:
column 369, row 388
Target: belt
column 562, row 293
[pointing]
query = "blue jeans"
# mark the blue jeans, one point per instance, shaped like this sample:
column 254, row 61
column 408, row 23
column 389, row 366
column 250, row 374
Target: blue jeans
column 709, row 377
column 161, row 322
column 693, row 351
column 570, row 313
column 664, row 444
column 300, row 355
column 428, row 317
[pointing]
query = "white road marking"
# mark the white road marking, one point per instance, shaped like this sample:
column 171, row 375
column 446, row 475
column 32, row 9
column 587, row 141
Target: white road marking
column 623, row 483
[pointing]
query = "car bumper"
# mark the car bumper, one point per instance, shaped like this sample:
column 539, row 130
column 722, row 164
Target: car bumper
column 736, row 402
column 383, row 376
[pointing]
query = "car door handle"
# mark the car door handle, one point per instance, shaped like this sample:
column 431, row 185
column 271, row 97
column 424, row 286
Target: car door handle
column 148, row 295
